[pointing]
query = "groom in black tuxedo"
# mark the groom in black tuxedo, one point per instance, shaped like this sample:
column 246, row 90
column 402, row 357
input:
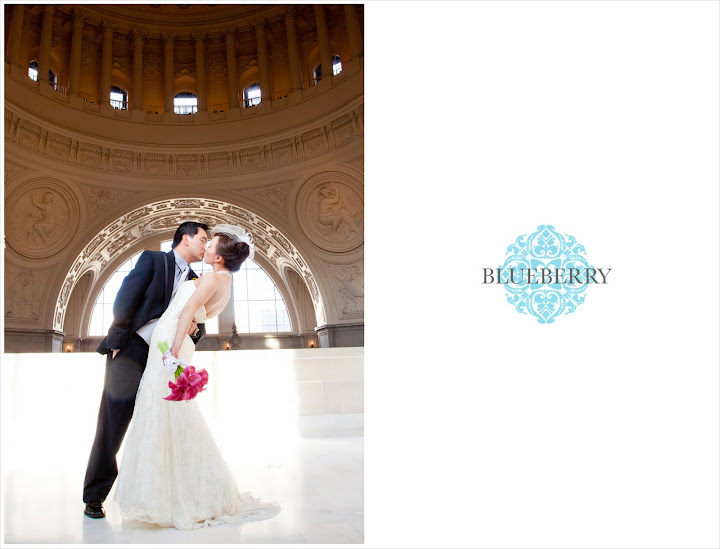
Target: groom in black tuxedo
column 143, row 297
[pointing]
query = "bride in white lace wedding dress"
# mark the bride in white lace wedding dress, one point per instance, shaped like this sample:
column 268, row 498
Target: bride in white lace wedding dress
column 172, row 472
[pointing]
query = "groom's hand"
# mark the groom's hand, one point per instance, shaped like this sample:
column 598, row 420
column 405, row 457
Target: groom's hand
column 115, row 351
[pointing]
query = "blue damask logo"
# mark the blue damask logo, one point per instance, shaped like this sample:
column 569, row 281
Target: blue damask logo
column 546, row 274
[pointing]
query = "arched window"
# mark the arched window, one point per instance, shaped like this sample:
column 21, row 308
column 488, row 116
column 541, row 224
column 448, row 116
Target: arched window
column 33, row 70
column 252, row 95
column 118, row 98
column 102, row 315
column 185, row 103
column 259, row 307
column 33, row 73
column 336, row 65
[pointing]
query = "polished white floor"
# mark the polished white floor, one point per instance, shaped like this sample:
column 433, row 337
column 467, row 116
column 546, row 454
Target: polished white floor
column 311, row 465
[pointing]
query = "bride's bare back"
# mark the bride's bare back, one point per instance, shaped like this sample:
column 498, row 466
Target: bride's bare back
column 221, row 295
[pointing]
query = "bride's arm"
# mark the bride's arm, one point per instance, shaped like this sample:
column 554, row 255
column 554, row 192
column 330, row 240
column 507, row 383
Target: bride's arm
column 205, row 290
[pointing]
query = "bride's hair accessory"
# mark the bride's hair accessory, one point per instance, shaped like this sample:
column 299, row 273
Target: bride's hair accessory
column 238, row 234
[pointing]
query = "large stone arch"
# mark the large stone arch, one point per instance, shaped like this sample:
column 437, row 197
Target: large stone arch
column 166, row 215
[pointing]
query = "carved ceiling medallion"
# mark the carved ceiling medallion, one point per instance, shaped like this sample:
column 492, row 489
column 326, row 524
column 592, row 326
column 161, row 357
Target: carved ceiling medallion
column 330, row 211
column 41, row 217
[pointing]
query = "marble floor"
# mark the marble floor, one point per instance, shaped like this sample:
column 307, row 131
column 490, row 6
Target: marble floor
column 314, row 470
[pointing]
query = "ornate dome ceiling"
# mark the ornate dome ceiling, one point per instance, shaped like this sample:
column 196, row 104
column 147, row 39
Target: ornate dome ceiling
column 180, row 14
column 182, row 18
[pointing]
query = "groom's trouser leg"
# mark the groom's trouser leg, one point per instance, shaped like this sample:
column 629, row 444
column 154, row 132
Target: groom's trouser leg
column 122, row 377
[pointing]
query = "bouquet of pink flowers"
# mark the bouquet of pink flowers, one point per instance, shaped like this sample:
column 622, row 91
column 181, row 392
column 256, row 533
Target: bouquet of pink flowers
column 188, row 380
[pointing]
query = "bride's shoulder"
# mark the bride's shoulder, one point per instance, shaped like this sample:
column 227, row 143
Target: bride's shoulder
column 209, row 278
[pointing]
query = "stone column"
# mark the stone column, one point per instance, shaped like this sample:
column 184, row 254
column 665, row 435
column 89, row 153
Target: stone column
column 200, row 71
column 45, row 43
column 169, row 68
column 323, row 40
column 293, row 51
column 354, row 32
column 15, row 36
column 106, row 67
column 137, row 81
column 263, row 65
column 76, row 51
column 231, row 68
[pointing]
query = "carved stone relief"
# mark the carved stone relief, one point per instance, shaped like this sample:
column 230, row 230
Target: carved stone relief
column 218, row 163
column 89, row 156
column 41, row 218
column 59, row 146
column 100, row 199
column 123, row 64
column 151, row 67
column 274, row 196
column 282, row 152
column 349, row 284
column 217, row 67
column 330, row 212
column 184, row 66
column 28, row 135
column 11, row 170
column 279, row 52
column 23, row 291
column 122, row 162
column 87, row 55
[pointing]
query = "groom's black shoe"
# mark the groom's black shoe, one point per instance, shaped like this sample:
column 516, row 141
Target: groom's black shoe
column 94, row 509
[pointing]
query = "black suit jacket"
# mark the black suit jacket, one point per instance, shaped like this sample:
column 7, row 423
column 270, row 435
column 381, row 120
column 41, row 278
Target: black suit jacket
column 144, row 294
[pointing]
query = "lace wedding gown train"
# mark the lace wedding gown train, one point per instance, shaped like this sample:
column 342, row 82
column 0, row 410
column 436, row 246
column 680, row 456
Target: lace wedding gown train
column 172, row 472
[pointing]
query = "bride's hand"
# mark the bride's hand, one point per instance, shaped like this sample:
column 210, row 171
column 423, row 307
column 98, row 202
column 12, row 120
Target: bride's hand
column 170, row 361
column 193, row 327
column 174, row 351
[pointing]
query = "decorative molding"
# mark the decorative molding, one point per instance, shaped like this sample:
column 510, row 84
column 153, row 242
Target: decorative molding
column 155, row 19
column 309, row 144
column 107, row 29
column 78, row 17
column 229, row 34
column 163, row 217
column 199, row 38
column 138, row 35
column 290, row 12
column 168, row 38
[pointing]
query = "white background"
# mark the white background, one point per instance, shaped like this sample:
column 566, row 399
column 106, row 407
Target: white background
column 485, row 428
